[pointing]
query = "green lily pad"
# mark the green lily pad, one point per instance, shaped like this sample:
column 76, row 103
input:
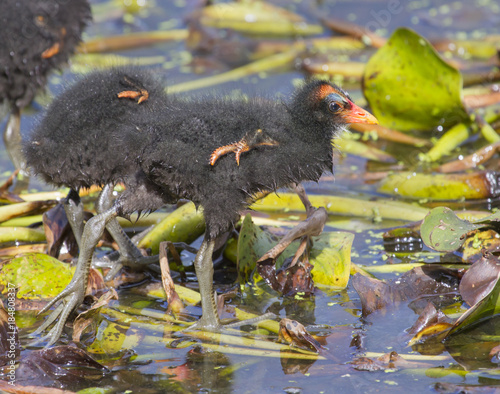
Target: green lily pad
column 409, row 86
column 36, row 276
column 331, row 257
column 444, row 231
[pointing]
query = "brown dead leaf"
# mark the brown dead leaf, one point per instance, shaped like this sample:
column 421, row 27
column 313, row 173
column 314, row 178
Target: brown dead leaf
column 430, row 317
column 480, row 279
column 5, row 194
column 59, row 364
column 495, row 353
column 390, row 361
column 175, row 304
column 91, row 317
column 22, row 249
column 471, row 161
column 293, row 278
column 58, row 232
column 288, row 281
column 481, row 100
column 356, row 31
column 96, row 285
column 295, row 334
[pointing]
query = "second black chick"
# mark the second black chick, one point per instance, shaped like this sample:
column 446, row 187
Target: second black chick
column 38, row 36
column 120, row 126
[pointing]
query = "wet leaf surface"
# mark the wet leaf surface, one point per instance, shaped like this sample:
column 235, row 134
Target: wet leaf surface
column 480, row 279
column 58, row 232
column 51, row 366
column 425, row 283
column 409, row 86
column 442, row 230
column 485, row 300
column 36, row 276
column 88, row 320
column 295, row 334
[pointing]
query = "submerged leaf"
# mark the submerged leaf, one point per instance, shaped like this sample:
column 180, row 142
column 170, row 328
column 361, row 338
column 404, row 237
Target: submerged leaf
column 409, row 86
column 426, row 281
column 59, row 365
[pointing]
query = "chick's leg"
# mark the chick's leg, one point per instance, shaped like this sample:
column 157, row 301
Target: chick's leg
column 12, row 139
column 73, row 295
column 74, row 212
column 129, row 254
column 204, row 268
column 210, row 320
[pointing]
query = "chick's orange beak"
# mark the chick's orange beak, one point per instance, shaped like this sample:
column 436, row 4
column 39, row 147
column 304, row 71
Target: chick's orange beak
column 358, row 115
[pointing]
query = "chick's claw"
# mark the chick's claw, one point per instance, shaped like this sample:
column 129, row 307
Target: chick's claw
column 72, row 296
column 251, row 140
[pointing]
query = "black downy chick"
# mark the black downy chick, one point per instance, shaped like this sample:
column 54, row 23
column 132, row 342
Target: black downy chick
column 120, row 126
column 38, row 36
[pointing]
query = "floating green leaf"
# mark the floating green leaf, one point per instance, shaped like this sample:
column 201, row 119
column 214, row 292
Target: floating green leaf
column 474, row 185
column 331, row 257
column 410, row 87
column 443, row 231
column 258, row 18
column 36, row 276
column 185, row 224
column 348, row 206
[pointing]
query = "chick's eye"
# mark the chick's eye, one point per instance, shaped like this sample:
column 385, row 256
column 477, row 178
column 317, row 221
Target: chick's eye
column 333, row 107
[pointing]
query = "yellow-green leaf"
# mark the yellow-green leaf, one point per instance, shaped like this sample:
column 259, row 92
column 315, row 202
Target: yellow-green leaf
column 477, row 185
column 258, row 18
column 409, row 86
column 36, row 276
column 185, row 224
column 331, row 257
